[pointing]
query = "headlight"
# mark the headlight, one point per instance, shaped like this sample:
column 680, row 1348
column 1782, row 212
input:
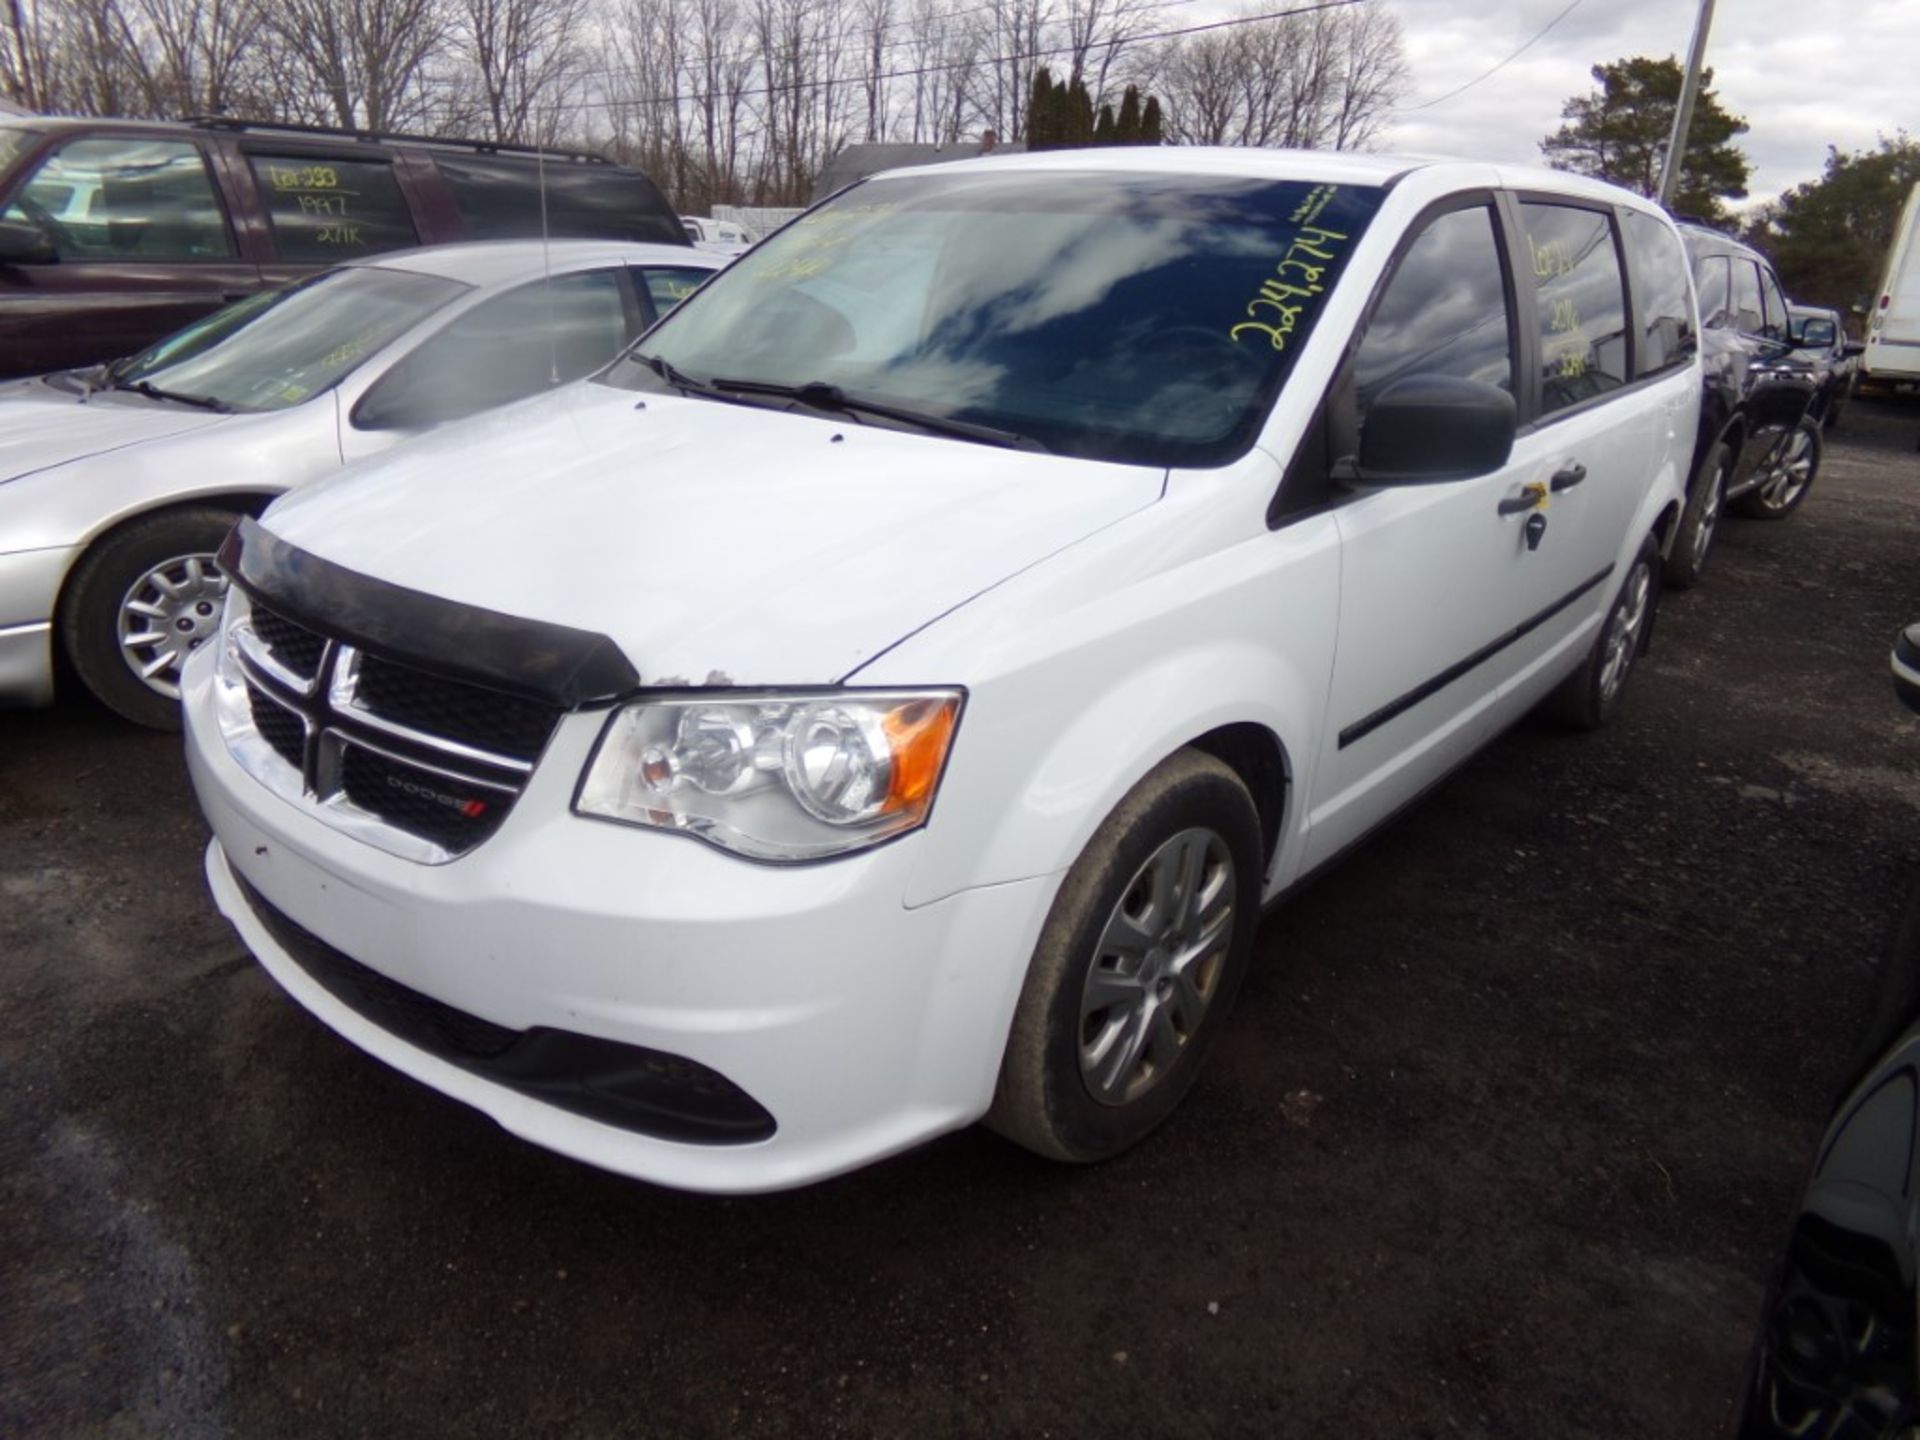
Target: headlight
column 776, row 777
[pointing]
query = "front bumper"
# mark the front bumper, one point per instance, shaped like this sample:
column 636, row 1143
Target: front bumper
column 863, row 1027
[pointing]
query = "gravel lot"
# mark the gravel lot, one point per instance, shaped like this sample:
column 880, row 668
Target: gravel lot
column 1503, row 1142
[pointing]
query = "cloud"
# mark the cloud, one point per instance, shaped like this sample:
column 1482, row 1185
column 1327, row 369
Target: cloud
column 1803, row 77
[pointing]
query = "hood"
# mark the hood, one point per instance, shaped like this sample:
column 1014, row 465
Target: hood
column 713, row 543
column 41, row 427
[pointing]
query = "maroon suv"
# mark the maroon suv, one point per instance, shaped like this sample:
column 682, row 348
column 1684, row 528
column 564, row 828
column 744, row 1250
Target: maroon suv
column 114, row 233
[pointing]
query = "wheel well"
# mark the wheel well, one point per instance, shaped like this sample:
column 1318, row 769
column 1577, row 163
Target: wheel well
column 243, row 503
column 1664, row 525
column 1254, row 753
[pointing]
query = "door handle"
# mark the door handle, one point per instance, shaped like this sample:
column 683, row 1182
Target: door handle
column 1529, row 497
column 1568, row 478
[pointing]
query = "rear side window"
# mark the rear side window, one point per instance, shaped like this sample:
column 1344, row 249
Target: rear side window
column 1745, row 305
column 1660, row 286
column 121, row 199
column 499, row 198
column 1710, row 279
column 509, row 347
column 1443, row 313
column 325, row 210
column 1580, row 302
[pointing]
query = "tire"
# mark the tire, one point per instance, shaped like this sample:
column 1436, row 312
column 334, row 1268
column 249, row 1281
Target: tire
column 1686, row 561
column 1588, row 698
column 130, row 568
column 1068, row 1088
column 1792, row 476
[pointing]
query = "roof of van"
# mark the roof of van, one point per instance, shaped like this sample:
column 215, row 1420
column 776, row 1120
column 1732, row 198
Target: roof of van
column 495, row 262
column 1332, row 166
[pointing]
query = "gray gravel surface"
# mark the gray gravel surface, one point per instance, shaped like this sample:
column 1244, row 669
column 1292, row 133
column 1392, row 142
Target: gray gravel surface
column 1503, row 1141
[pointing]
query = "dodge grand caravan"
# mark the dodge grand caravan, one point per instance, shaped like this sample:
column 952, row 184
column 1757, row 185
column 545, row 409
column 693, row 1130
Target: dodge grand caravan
column 889, row 695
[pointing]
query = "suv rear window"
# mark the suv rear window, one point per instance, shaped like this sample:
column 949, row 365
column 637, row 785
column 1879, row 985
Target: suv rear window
column 325, row 210
column 499, row 198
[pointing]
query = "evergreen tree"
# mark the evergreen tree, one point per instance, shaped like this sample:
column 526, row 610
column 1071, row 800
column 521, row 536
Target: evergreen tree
column 1103, row 127
column 1620, row 134
column 1830, row 237
column 1042, row 124
column 1079, row 114
column 1150, row 133
column 1126, row 130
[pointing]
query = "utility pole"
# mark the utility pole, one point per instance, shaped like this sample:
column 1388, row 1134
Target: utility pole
column 1683, row 112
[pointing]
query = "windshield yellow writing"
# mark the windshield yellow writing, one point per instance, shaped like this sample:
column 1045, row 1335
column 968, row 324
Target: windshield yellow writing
column 1296, row 281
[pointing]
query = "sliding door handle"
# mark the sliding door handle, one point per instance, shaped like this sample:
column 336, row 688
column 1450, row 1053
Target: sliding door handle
column 1568, row 478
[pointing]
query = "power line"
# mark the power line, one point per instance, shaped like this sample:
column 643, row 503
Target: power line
column 1539, row 35
column 680, row 98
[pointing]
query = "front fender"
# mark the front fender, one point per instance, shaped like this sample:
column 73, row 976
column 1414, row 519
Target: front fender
column 1078, row 688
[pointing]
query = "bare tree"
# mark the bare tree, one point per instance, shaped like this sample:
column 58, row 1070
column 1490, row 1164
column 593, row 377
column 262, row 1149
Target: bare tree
column 523, row 57
column 362, row 62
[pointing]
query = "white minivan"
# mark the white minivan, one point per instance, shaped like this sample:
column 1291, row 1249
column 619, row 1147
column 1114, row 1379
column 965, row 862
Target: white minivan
column 890, row 694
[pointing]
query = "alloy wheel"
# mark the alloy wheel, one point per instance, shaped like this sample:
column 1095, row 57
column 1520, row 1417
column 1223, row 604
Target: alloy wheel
column 1793, row 471
column 1624, row 628
column 1157, row 966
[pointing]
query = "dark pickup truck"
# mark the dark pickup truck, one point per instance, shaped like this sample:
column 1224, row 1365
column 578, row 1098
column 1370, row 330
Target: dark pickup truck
column 114, row 233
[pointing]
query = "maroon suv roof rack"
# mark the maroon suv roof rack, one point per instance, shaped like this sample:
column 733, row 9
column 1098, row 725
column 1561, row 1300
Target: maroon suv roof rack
column 381, row 137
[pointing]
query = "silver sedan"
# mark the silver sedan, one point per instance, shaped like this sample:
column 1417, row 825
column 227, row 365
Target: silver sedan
column 118, row 483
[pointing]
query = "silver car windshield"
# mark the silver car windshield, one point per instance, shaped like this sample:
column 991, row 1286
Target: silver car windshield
column 1142, row 318
column 279, row 348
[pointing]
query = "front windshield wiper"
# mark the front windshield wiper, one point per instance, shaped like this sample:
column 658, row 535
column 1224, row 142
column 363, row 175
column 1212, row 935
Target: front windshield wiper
column 154, row 392
column 822, row 395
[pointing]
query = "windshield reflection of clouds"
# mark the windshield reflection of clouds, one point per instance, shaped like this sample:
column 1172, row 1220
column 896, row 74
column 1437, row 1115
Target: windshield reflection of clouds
column 1093, row 313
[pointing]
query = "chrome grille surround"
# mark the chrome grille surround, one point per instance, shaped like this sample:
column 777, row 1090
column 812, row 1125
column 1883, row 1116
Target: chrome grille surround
column 401, row 789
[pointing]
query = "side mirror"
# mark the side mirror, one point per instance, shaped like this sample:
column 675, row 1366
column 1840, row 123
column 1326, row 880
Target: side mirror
column 1817, row 336
column 1906, row 668
column 1855, row 347
column 1427, row 429
column 25, row 244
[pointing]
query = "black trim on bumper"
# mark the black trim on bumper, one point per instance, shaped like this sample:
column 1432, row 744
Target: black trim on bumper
column 645, row 1091
column 555, row 663
column 1367, row 724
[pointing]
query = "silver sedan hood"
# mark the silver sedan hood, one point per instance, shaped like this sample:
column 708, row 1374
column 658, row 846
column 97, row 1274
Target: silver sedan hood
column 41, row 426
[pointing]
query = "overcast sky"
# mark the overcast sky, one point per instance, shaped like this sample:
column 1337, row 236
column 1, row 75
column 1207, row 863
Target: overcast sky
column 1803, row 73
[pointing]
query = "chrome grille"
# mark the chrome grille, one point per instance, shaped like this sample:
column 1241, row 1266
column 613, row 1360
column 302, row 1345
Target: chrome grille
column 382, row 746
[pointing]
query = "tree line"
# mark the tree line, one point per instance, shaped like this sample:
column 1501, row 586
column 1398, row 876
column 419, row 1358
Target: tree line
column 1828, row 237
column 731, row 101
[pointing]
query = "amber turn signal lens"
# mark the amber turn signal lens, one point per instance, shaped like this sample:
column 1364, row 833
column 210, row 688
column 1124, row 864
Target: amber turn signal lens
column 918, row 734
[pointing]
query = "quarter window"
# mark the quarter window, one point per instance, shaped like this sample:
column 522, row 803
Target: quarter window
column 499, row 198
column 117, row 199
column 326, row 209
column 1579, row 301
column 1443, row 313
column 1660, row 286
column 1746, row 307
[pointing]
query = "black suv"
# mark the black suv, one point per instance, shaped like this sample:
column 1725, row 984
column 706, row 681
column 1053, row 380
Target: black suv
column 1756, row 450
column 114, row 233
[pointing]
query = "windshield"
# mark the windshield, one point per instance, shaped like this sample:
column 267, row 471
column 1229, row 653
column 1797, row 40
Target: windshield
column 278, row 348
column 1147, row 319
